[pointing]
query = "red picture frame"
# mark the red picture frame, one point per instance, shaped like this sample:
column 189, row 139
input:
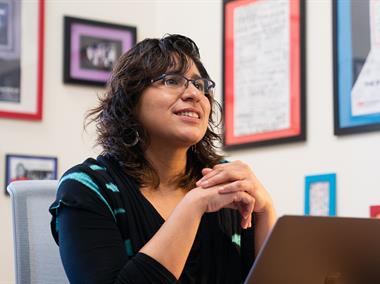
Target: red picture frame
column 245, row 97
column 29, row 105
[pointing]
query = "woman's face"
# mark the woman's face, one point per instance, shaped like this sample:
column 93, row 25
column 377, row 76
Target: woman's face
column 173, row 117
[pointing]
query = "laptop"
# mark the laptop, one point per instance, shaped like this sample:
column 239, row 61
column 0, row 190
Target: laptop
column 319, row 250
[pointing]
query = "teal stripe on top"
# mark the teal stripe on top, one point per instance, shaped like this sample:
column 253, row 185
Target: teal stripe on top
column 97, row 168
column 86, row 180
column 128, row 247
column 119, row 211
column 111, row 186
column 235, row 238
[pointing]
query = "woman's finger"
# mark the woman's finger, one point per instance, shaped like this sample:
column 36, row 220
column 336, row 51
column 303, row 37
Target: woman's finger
column 239, row 185
column 245, row 206
column 223, row 173
column 205, row 171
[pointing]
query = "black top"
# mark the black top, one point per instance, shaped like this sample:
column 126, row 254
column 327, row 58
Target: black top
column 101, row 220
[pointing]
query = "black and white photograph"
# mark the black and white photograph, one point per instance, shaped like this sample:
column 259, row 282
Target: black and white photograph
column 99, row 53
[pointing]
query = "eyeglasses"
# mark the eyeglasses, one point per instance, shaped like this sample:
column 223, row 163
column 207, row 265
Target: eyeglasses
column 178, row 82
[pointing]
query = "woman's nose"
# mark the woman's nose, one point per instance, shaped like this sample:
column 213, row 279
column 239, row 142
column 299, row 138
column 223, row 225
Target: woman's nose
column 191, row 92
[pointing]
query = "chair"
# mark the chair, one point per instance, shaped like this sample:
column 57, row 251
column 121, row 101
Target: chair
column 36, row 254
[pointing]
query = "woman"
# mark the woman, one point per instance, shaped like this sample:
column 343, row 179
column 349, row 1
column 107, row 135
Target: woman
column 159, row 204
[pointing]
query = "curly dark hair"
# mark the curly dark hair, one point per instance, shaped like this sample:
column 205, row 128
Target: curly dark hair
column 116, row 118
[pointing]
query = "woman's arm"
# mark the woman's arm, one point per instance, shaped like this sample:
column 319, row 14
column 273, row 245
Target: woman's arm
column 172, row 243
column 264, row 222
column 92, row 249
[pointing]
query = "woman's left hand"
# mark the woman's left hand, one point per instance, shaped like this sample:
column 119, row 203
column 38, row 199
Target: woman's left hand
column 237, row 176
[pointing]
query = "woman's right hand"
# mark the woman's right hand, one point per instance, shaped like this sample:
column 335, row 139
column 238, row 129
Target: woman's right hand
column 212, row 200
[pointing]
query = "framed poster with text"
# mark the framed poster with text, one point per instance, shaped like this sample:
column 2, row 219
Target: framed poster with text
column 264, row 72
column 21, row 59
column 356, row 37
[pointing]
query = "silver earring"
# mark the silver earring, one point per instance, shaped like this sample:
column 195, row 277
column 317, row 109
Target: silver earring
column 194, row 149
column 135, row 141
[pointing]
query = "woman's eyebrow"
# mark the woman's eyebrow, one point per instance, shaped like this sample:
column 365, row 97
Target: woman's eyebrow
column 195, row 76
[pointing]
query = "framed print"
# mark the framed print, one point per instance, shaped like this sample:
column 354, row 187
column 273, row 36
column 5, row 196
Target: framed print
column 356, row 37
column 21, row 59
column 264, row 72
column 374, row 211
column 92, row 47
column 320, row 195
column 22, row 167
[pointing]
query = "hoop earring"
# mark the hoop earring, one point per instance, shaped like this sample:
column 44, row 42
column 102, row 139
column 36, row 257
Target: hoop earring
column 194, row 149
column 135, row 141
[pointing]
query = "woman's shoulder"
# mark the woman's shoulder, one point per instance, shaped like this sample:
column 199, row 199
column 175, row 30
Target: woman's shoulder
column 89, row 171
column 87, row 183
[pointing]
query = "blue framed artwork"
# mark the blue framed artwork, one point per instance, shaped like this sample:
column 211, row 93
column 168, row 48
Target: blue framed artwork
column 320, row 195
column 25, row 167
column 356, row 37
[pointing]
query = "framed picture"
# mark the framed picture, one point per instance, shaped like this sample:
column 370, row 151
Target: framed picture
column 91, row 48
column 374, row 211
column 356, row 66
column 21, row 167
column 320, row 195
column 21, row 77
column 264, row 72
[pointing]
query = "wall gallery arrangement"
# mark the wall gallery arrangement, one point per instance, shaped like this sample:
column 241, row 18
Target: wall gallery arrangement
column 25, row 167
column 264, row 72
column 21, row 77
column 91, row 49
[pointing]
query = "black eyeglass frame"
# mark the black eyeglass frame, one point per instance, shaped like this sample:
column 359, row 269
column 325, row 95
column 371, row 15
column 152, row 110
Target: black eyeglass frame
column 193, row 81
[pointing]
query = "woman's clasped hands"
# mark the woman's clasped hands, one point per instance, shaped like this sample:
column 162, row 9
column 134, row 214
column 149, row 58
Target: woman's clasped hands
column 234, row 185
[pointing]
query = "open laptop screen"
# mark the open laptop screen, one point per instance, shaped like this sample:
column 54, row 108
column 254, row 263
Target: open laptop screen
column 319, row 250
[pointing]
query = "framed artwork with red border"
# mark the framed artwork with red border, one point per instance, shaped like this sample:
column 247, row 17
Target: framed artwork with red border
column 21, row 59
column 264, row 98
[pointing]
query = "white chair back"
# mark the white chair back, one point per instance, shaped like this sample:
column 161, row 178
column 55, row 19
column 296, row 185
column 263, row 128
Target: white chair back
column 36, row 254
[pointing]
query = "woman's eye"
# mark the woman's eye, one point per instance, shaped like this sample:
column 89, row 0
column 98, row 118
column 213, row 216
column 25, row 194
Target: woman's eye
column 199, row 86
column 171, row 82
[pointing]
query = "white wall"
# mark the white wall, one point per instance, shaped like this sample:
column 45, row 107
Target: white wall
column 281, row 168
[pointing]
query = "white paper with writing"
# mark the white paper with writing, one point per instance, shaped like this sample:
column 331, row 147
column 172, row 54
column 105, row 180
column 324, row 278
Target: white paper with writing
column 261, row 67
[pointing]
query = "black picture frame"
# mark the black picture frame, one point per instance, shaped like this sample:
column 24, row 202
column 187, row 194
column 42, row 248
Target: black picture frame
column 29, row 167
column 248, row 133
column 353, row 111
column 92, row 47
